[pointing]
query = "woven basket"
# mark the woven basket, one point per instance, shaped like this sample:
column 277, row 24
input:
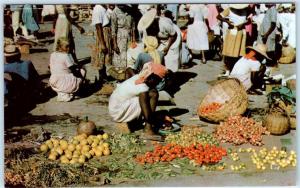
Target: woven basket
column 117, row 73
column 231, row 94
column 288, row 55
column 277, row 123
column 291, row 84
column 293, row 121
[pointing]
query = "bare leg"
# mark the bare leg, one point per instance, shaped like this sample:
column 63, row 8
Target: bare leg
column 203, row 57
column 148, row 101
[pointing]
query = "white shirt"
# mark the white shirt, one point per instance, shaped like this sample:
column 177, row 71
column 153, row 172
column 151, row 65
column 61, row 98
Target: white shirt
column 198, row 11
column 242, row 71
column 128, row 89
column 166, row 28
column 99, row 16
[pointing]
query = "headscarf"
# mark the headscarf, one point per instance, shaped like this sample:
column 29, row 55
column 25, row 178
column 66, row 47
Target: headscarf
column 251, row 55
column 150, row 68
column 151, row 44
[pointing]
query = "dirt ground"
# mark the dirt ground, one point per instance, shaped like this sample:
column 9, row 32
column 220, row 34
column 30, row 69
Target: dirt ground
column 186, row 100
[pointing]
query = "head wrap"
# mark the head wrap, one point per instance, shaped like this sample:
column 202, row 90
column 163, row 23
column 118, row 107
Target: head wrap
column 150, row 68
column 151, row 44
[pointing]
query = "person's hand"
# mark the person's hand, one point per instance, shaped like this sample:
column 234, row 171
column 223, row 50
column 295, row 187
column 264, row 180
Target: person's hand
column 103, row 49
column 81, row 30
column 240, row 27
column 165, row 51
column 230, row 26
column 264, row 39
column 133, row 45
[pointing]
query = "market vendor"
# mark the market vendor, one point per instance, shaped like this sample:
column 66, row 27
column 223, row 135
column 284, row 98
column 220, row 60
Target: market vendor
column 21, row 79
column 249, row 69
column 137, row 97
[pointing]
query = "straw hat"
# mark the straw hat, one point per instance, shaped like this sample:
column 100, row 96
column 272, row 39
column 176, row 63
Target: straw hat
column 147, row 19
column 238, row 6
column 11, row 50
column 260, row 48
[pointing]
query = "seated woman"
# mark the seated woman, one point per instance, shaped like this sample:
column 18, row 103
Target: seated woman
column 66, row 77
column 249, row 69
column 137, row 97
column 21, row 79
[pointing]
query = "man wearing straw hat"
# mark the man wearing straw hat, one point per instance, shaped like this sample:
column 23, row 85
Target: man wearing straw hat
column 18, row 70
column 249, row 70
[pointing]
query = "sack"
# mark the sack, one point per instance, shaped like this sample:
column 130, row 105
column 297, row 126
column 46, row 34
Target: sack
column 232, row 97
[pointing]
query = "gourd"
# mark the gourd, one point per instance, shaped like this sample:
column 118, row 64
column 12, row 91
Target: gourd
column 86, row 127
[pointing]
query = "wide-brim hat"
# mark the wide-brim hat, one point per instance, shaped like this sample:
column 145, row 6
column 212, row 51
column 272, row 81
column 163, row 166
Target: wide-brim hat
column 238, row 6
column 147, row 19
column 11, row 50
column 261, row 49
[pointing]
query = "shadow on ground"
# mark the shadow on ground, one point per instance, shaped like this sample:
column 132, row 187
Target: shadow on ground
column 177, row 79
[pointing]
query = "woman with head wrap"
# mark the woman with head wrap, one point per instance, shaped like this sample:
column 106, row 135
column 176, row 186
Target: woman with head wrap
column 137, row 97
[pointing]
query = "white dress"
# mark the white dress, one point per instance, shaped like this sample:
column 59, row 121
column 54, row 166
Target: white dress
column 124, row 105
column 197, row 38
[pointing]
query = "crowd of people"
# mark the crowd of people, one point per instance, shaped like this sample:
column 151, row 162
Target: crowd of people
column 150, row 42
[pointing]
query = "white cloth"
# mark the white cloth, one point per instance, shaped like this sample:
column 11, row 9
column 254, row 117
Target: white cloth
column 132, row 54
column 166, row 28
column 124, row 105
column 144, row 8
column 48, row 10
column 197, row 38
column 99, row 16
column 292, row 30
column 242, row 71
column 182, row 10
column 172, row 58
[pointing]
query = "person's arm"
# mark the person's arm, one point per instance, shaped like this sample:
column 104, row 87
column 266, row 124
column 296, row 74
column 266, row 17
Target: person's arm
column 222, row 18
column 114, row 31
column 171, row 40
column 256, row 76
column 207, row 25
column 72, row 21
column 99, row 31
column 270, row 30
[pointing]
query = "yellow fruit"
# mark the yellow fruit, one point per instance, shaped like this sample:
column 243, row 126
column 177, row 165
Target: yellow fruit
column 92, row 152
column 75, row 142
column 85, row 148
column 54, row 153
column 50, row 145
column 59, row 150
column 55, row 142
column 106, row 152
column 64, row 161
column 105, row 136
column 63, row 157
column 105, row 145
column 68, row 154
column 100, row 147
column 98, row 153
column 73, row 161
column 81, row 159
column 99, row 136
column 83, row 142
column 94, row 144
column 52, row 156
column 78, row 147
column 63, row 144
column 44, row 148
column 87, row 155
column 90, row 140
column 83, row 136
column 71, row 147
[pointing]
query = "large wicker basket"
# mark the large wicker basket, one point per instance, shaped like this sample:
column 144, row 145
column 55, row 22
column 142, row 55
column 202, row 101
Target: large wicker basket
column 232, row 96
column 277, row 123
column 293, row 121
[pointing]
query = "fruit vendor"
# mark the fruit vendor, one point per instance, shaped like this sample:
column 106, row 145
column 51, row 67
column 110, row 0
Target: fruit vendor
column 137, row 97
column 249, row 69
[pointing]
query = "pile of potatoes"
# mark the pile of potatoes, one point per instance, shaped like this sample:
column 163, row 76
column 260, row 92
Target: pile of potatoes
column 79, row 149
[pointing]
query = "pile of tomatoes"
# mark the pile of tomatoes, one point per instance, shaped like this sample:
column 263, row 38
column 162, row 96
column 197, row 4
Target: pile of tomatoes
column 200, row 154
column 210, row 108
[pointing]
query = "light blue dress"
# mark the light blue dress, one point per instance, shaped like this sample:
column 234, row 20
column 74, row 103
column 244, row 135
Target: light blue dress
column 28, row 18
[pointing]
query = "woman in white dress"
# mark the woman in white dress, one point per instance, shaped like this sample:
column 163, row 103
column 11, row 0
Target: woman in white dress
column 197, row 38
